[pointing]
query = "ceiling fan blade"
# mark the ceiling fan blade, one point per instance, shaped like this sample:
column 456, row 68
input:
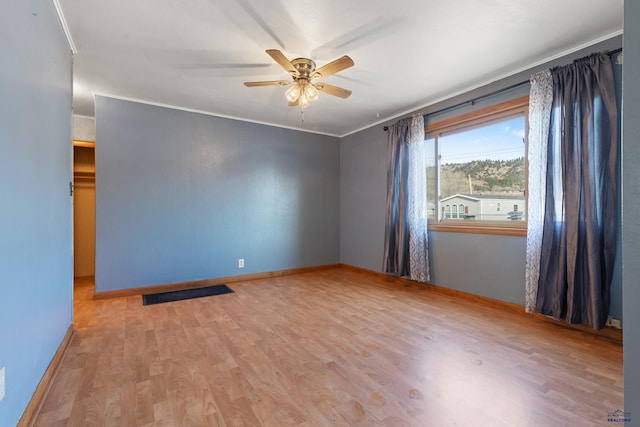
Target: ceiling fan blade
column 333, row 67
column 293, row 104
column 268, row 83
column 282, row 60
column 333, row 90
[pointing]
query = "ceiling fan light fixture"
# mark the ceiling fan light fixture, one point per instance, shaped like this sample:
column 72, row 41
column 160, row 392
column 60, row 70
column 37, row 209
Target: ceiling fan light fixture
column 293, row 93
column 303, row 70
column 303, row 101
column 311, row 92
column 303, row 92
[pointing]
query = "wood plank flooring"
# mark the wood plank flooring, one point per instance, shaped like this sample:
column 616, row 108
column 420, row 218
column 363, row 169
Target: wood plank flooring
column 333, row 348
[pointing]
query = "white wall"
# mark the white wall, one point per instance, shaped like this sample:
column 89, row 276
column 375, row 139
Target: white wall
column 84, row 128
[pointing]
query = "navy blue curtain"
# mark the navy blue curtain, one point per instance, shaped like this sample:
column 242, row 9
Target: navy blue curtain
column 406, row 241
column 396, row 240
column 580, row 225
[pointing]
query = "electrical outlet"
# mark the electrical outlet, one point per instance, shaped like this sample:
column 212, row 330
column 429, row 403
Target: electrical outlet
column 1, row 383
column 241, row 263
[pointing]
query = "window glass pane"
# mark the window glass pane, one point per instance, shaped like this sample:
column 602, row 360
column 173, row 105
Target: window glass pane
column 484, row 169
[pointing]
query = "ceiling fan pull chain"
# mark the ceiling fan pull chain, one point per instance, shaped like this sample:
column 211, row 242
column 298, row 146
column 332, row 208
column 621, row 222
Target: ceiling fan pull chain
column 301, row 115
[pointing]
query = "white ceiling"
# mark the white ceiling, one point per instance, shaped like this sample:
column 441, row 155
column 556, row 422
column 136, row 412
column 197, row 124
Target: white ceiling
column 408, row 54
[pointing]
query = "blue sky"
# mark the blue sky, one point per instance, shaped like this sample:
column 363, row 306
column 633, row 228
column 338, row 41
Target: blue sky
column 499, row 141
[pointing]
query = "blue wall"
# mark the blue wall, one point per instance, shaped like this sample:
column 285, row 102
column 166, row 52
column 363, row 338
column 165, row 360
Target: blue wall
column 631, row 207
column 615, row 309
column 496, row 270
column 481, row 264
column 487, row 265
column 182, row 196
column 35, row 208
column 363, row 198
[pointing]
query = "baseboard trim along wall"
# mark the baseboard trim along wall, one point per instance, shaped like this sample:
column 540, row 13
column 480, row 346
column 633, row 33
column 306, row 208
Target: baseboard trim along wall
column 608, row 332
column 208, row 282
column 30, row 413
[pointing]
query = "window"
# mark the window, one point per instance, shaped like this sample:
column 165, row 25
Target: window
column 476, row 169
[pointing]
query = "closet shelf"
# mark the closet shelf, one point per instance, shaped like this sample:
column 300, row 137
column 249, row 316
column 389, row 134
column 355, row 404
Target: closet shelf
column 84, row 176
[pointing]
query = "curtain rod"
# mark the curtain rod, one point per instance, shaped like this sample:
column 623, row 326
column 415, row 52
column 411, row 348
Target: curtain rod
column 495, row 92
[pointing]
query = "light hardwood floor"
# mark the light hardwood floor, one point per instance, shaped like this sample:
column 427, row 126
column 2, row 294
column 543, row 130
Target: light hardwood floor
column 333, row 348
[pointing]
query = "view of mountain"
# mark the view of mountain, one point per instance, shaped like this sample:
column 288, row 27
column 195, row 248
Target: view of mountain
column 490, row 177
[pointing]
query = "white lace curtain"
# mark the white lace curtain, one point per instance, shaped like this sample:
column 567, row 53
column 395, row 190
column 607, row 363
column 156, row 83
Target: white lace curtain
column 406, row 242
column 540, row 100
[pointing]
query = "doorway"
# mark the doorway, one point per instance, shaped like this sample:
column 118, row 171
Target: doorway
column 84, row 211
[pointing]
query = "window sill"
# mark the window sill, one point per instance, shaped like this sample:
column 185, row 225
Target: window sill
column 479, row 229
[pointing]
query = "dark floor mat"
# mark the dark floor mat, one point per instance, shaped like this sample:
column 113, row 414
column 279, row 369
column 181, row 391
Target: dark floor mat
column 185, row 294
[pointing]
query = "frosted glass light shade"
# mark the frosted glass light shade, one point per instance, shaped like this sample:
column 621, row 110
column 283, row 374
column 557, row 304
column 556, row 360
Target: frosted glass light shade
column 311, row 92
column 303, row 101
column 293, row 93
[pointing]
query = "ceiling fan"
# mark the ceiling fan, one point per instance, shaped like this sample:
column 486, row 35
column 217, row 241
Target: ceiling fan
column 303, row 71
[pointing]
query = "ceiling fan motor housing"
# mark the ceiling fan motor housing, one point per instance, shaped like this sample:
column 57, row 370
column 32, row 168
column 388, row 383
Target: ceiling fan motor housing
column 305, row 68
